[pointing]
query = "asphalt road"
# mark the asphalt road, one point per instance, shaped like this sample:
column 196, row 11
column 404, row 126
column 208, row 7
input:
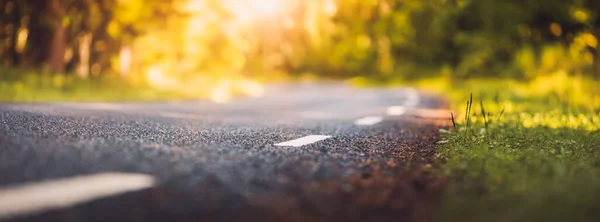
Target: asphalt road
column 363, row 155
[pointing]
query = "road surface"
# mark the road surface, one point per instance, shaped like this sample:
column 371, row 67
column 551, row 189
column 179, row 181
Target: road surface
column 304, row 152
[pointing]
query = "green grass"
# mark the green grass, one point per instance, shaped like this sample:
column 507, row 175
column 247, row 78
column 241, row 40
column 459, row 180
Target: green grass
column 17, row 85
column 525, row 151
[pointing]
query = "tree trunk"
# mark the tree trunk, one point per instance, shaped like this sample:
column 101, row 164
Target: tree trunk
column 597, row 65
column 16, row 21
column 9, row 24
column 56, row 60
column 597, row 56
column 38, row 36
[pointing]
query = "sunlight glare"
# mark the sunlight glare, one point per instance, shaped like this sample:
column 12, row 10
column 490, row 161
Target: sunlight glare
column 266, row 7
column 252, row 88
column 157, row 78
column 239, row 11
column 124, row 60
column 195, row 5
column 221, row 93
column 196, row 25
column 330, row 7
column 248, row 11
column 22, row 40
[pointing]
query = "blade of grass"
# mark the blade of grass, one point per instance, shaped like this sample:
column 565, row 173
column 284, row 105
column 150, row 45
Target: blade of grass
column 470, row 105
column 484, row 116
column 466, row 119
column 501, row 112
column 466, row 111
column 453, row 122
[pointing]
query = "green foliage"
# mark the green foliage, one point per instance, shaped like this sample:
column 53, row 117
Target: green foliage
column 515, row 173
column 474, row 38
column 332, row 37
column 171, row 43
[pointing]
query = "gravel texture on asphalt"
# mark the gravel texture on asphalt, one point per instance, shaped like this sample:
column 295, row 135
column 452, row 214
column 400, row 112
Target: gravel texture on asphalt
column 218, row 162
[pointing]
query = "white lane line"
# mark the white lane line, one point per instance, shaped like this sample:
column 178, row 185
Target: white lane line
column 396, row 110
column 303, row 141
column 62, row 193
column 368, row 120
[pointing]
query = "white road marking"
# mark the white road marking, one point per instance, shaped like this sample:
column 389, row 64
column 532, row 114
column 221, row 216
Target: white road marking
column 368, row 120
column 303, row 141
column 396, row 110
column 62, row 193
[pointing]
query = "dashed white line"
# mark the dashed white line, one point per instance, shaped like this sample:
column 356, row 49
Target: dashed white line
column 396, row 110
column 303, row 141
column 62, row 193
column 368, row 120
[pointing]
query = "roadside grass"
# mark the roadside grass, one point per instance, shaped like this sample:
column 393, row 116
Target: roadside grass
column 19, row 85
column 522, row 151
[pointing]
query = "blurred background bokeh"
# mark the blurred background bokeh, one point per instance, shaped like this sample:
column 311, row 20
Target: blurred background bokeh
column 163, row 49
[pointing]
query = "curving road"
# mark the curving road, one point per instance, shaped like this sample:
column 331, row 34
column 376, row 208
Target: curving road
column 303, row 152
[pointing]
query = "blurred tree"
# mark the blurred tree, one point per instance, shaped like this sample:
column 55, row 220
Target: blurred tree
column 11, row 20
column 184, row 39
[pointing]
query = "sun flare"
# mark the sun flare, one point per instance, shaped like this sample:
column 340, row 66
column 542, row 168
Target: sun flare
column 266, row 7
column 251, row 10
